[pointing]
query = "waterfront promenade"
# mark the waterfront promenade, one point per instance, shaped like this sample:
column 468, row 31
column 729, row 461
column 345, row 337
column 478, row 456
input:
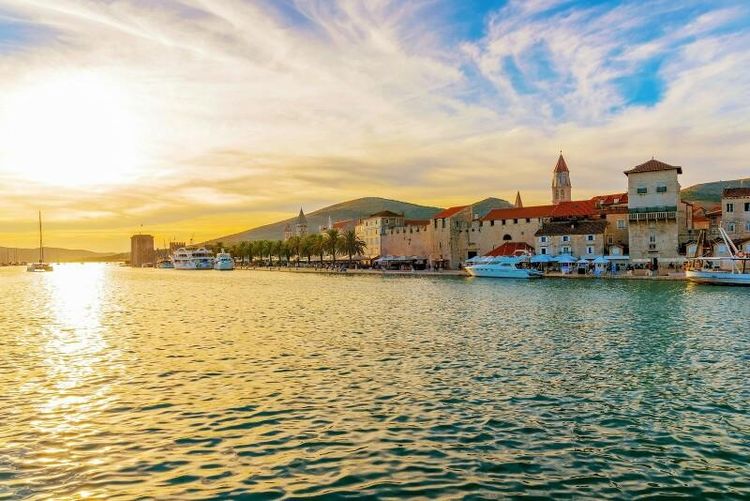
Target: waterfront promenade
column 459, row 273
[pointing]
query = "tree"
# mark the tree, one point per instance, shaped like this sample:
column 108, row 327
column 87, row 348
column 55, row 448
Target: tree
column 293, row 247
column 307, row 247
column 352, row 245
column 332, row 243
column 318, row 246
column 278, row 249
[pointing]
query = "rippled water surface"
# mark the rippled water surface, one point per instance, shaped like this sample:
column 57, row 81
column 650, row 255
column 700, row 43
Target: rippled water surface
column 119, row 382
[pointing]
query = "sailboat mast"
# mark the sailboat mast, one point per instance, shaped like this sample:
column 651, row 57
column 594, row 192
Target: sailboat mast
column 41, row 246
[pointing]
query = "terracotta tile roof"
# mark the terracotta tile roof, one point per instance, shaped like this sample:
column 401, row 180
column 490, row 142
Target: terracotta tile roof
column 575, row 228
column 519, row 213
column 452, row 211
column 416, row 222
column 716, row 211
column 509, row 249
column 697, row 218
column 615, row 198
column 385, row 213
column 561, row 165
column 575, row 208
column 346, row 224
column 653, row 166
column 736, row 193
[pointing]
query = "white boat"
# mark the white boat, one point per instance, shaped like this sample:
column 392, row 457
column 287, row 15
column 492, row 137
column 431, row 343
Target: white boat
column 502, row 267
column 165, row 264
column 224, row 261
column 702, row 270
column 41, row 265
column 186, row 258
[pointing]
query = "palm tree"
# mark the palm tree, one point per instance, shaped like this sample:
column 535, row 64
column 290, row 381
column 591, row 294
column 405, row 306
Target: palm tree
column 352, row 244
column 293, row 247
column 332, row 243
column 307, row 247
column 318, row 246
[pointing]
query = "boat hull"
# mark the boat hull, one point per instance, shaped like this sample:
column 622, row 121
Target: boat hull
column 194, row 265
column 39, row 267
column 487, row 271
column 718, row 277
column 224, row 265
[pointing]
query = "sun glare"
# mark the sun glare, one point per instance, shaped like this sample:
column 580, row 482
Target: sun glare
column 73, row 130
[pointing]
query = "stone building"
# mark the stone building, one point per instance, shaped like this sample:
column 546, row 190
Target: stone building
column 653, row 212
column 373, row 228
column 578, row 238
column 448, row 236
column 411, row 239
column 142, row 251
column 299, row 229
column 735, row 212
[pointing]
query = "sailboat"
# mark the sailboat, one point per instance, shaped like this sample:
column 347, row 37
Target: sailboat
column 41, row 265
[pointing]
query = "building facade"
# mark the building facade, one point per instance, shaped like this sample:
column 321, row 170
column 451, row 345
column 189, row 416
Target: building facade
column 735, row 212
column 142, row 251
column 373, row 228
column 578, row 238
column 653, row 212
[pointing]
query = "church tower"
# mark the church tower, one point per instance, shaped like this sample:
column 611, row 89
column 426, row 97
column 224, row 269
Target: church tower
column 519, row 203
column 300, row 227
column 561, row 182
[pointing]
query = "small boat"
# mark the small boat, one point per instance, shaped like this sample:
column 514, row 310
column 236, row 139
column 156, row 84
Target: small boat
column 41, row 265
column 223, row 261
column 503, row 267
column 165, row 264
column 707, row 270
column 186, row 258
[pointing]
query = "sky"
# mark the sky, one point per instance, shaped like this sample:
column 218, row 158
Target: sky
column 199, row 118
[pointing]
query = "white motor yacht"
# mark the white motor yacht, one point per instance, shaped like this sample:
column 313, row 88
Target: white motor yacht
column 502, row 267
column 187, row 258
column 224, row 261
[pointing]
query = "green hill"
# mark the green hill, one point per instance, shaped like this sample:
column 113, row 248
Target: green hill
column 352, row 209
column 710, row 193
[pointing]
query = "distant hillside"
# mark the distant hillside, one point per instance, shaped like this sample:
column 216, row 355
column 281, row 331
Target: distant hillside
column 51, row 254
column 353, row 209
column 482, row 207
column 710, row 193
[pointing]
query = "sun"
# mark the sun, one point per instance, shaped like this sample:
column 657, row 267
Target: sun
column 70, row 130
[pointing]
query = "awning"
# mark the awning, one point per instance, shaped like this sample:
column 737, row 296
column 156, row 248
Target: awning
column 565, row 259
column 542, row 258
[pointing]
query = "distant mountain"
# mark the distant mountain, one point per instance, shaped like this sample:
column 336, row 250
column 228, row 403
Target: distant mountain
column 51, row 254
column 708, row 194
column 353, row 209
column 482, row 207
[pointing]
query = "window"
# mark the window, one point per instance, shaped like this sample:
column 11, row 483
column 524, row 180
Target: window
column 543, row 240
column 515, row 221
column 610, row 240
column 621, row 224
column 507, row 237
column 652, row 239
column 503, row 222
column 589, row 250
column 528, row 219
column 747, row 226
column 730, row 208
column 589, row 238
column 566, row 238
column 730, row 227
column 642, row 190
column 565, row 249
column 543, row 250
column 662, row 188
column 747, row 206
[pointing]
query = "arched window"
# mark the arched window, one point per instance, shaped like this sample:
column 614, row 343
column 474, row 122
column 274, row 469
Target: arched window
column 507, row 237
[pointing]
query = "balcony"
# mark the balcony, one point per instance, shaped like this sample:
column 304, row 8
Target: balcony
column 662, row 213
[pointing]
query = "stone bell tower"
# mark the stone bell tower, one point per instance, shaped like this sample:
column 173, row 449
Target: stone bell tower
column 561, row 182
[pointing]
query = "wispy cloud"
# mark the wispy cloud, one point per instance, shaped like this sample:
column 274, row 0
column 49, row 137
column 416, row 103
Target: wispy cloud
column 245, row 110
